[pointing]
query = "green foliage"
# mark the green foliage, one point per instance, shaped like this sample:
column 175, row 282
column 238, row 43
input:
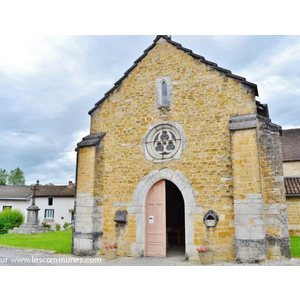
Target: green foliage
column 3, row 177
column 68, row 226
column 9, row 219
column 57, row 226
column 295, row 246
column 44, row 224
column 16, row 177
column 58, row 241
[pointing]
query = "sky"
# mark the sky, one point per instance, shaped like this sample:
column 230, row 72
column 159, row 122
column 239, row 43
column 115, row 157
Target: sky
column 48, row 84
column 58, row 58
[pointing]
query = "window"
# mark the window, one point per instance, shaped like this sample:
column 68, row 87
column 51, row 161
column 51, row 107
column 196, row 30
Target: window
column 50, row 201
column 6, row 207
column 163, row 142
column 72, row 216
column 49, row 213
column 163, row 92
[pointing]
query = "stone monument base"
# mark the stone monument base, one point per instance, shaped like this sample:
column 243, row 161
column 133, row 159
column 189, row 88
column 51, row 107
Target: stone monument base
column 30, row 229
column 32, row 226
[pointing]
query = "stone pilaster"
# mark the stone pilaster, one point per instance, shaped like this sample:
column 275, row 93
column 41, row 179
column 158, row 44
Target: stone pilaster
column 88, row 213
column 275, row 207
column 261, row 230
column 250, row 243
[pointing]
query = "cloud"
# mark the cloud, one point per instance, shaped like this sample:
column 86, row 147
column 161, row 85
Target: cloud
column 275, row 71
column 49, row 83
column 45, row 92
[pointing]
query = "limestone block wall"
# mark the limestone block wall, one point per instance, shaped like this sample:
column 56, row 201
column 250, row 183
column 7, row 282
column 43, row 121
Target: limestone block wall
column 293, row 212
column 273, row 190
column 291, row 168
column 230, row 162
column 250, row 244
column 203, row 100
column 261, row 228
column 88, row 214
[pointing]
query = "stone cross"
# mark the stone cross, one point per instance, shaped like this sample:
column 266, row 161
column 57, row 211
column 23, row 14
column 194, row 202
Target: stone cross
column 34, row 189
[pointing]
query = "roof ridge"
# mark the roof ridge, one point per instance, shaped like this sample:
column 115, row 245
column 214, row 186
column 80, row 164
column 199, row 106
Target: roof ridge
column 186, row 50
column 290, row 129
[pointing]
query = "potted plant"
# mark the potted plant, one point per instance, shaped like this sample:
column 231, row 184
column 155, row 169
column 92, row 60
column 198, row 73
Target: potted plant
column 110, row 250
column 206, row 255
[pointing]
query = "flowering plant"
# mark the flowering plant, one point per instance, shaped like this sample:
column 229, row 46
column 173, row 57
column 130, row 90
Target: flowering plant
column 110, row 246
column 203, row 249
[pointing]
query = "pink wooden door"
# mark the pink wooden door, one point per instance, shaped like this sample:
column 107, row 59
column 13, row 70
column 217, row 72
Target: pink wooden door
column 156, row 220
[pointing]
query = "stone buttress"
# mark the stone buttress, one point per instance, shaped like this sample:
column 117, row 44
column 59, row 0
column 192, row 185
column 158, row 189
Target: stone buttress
column 261, row 228
column 88, row 215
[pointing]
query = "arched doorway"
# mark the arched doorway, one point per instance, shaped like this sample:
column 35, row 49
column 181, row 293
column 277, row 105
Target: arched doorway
column 165, row 229
column 191, row 210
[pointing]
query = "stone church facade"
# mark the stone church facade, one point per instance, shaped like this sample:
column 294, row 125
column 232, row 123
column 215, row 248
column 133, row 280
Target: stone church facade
column 179, row 142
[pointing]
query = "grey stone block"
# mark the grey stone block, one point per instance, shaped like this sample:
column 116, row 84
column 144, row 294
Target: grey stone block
column 250, row 250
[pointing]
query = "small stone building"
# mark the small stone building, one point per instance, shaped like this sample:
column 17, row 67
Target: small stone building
column 180, row 150
column 290, row 140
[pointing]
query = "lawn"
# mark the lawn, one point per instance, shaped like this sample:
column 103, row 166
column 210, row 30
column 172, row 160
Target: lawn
column 61, row 241
column 295, row 246
column 58, row 241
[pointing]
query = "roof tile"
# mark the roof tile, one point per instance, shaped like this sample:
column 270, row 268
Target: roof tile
column 24, row 192
column 292, row 185
column 290, row 144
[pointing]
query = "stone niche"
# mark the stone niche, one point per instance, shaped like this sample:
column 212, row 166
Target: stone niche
column 121, row 217
column 211, row 219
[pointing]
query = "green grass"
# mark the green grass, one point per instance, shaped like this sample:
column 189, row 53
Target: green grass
column 58, row 241
column 295, row 246
column 61, row 241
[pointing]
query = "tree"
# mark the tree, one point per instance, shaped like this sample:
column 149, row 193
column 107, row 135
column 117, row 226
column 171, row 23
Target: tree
column 16, row 177
column 3, row 177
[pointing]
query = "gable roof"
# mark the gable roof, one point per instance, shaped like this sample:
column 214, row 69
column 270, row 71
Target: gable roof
column 15, row 192
column 24, row 192
column 290, row 144
column 292, row 185
column 187, row 51
column 55, row 191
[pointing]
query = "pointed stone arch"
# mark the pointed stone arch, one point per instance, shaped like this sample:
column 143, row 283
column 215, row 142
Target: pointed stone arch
column 139, row 208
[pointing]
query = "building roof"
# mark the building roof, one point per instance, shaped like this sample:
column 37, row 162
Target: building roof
column 90, row 140
column 55, row 191
column 292, row 186
column 290, row 144
column 15, row 192
column 187, row 51
column 24, row 192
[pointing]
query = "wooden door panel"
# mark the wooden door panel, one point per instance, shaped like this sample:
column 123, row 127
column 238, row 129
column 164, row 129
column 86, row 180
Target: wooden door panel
column 156, row 220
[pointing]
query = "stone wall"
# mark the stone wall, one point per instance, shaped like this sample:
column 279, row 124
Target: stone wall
column 203, row 101
column 88, row 214
column 261, row 228
column 250, row 243
column 275, row 209
column 291, row 168
column 293, row 212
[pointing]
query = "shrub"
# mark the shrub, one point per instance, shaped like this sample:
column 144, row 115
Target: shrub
column 57, row 226
column 44, row 224
column 10, row 218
